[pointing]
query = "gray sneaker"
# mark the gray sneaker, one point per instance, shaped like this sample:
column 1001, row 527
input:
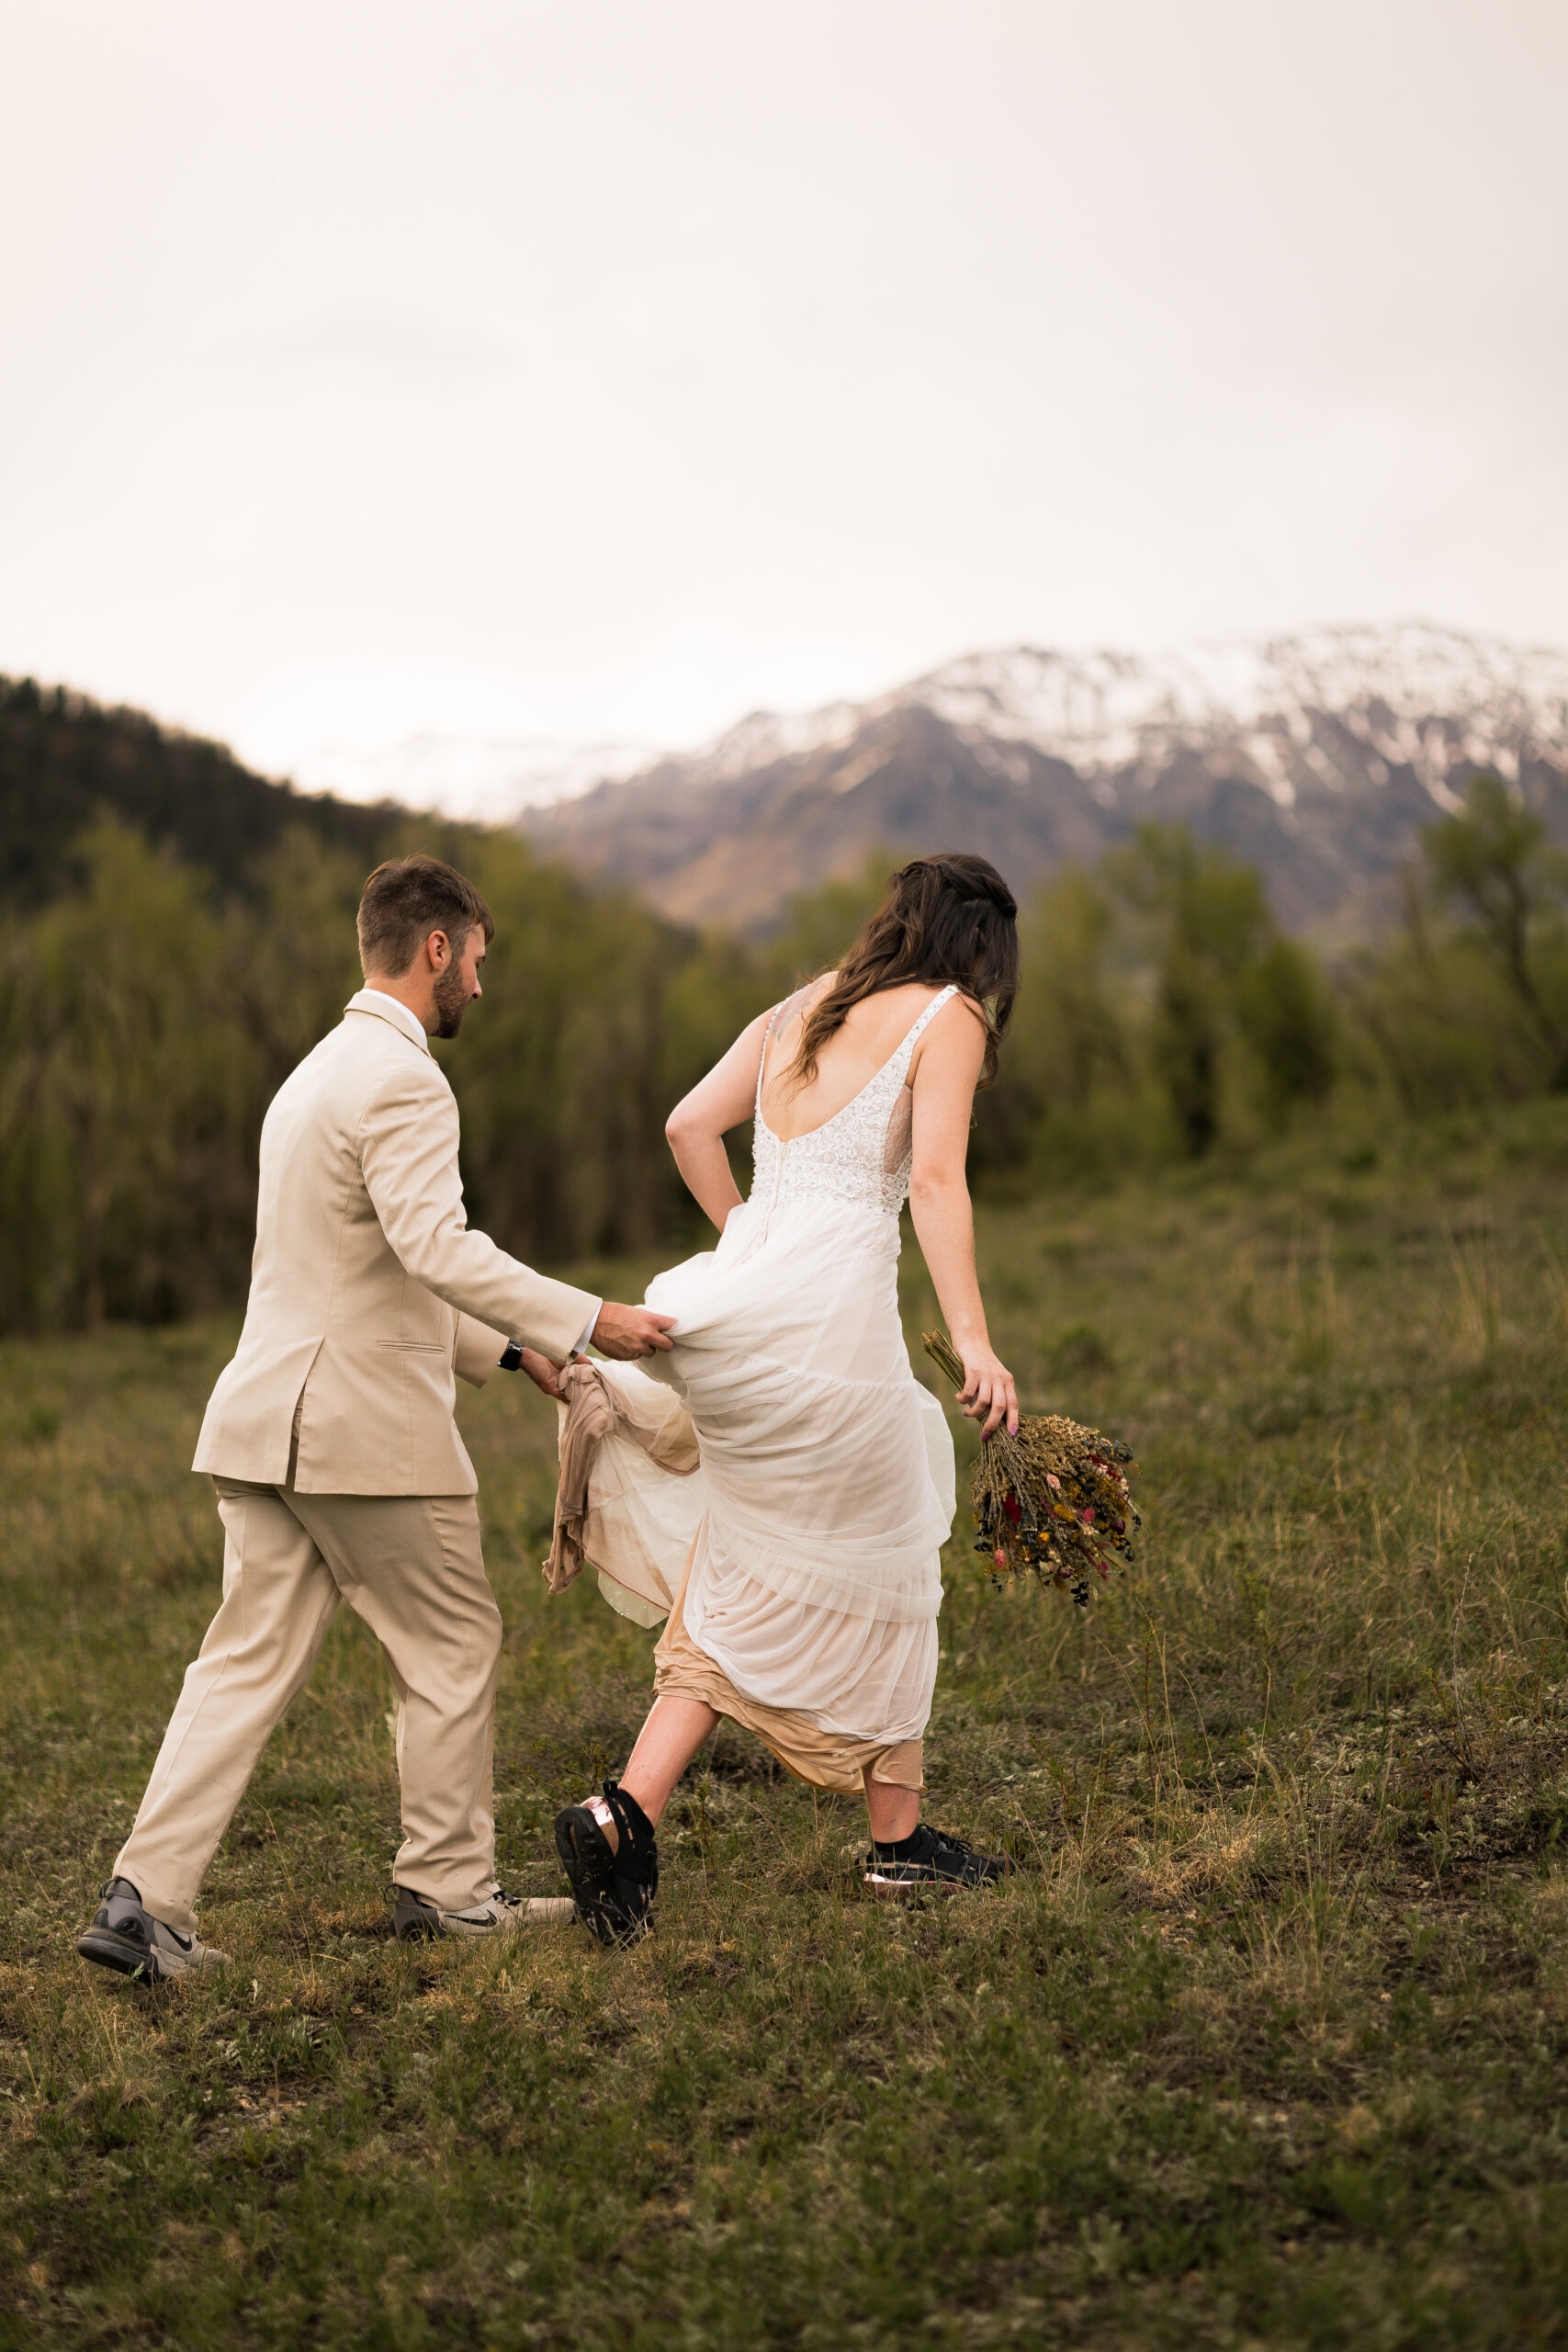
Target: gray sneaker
column 503, row 1915
column 127, row 1938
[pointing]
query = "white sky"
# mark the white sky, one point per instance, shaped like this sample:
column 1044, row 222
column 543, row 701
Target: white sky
column 610, row 366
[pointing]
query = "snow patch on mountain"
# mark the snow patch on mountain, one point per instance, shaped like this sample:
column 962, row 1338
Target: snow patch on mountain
column 1411, row 693
column 1273, row 711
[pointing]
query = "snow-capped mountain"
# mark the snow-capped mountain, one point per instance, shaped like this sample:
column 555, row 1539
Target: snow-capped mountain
column 1317, row 756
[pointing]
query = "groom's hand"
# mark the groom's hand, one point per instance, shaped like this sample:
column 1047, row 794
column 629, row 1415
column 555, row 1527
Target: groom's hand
column 544, row 1371
column 627, row 1332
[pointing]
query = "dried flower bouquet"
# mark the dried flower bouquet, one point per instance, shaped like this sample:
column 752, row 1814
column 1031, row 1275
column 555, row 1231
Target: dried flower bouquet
column 1052, row 1502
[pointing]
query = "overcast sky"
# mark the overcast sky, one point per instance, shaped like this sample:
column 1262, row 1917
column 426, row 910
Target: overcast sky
column 611, row 366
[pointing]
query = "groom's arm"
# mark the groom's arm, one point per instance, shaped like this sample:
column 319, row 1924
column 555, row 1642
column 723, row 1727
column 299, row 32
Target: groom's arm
column 408, row 1155
column 480, row 1352
column 477, row 1352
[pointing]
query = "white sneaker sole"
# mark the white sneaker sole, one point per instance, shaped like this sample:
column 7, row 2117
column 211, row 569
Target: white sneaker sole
column 908, row 1889
column 540, row 1911
column 128, row 1957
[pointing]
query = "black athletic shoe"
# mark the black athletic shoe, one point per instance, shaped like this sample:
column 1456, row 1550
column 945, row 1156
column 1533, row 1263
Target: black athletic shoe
column 127, row 1938
column 926, row 1858
column 615, row 1886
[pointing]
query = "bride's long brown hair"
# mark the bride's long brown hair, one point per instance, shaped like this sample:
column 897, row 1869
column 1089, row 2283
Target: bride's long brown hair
column 946, row 919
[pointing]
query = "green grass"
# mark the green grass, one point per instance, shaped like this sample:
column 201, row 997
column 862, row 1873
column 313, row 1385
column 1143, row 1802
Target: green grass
column 1264, row 2046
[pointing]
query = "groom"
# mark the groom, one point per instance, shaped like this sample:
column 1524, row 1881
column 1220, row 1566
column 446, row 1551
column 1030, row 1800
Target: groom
column 330, row 1439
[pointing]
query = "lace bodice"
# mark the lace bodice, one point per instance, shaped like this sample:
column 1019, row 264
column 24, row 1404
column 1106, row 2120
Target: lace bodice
column 861, row 1154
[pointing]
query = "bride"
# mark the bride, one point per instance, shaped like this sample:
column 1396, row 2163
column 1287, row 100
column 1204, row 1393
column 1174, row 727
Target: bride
column 809, row 1513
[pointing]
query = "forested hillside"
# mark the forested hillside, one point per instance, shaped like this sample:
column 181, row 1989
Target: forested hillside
column 180, row 933
column 64, row 761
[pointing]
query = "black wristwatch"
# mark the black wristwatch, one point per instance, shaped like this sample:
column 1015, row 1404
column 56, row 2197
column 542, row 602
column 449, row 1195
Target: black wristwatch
column 511, row 1357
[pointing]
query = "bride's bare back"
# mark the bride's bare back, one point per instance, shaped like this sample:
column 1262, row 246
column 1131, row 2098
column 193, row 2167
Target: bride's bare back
column 872, row 1032
column 943, row 1070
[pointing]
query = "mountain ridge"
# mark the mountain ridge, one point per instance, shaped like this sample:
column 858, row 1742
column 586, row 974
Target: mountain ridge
column 1316, row 755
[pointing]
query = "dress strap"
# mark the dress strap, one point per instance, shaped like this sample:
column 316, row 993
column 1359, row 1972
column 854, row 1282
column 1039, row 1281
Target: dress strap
column 912, row 1040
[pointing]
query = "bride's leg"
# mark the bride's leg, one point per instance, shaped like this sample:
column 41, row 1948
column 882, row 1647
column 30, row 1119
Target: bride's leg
column 672, row 1734
column 906, row 1855
column 606, row 1843
column 895, row 1812
column 675, row 1729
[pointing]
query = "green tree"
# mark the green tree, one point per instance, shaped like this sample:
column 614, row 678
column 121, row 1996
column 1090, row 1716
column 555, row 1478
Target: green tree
column 1064, row 1101
column 143, row 1095
column 1286, row 1015
column 560, row 1074
column 819, row 924
column 1491, row 857
column 1208, row 921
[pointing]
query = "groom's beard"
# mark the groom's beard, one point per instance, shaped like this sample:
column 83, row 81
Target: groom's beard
column 451, row 1001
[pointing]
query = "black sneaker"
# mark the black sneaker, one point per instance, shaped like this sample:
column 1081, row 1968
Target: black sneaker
column 931, row 1858
column 127, row 1938
column 415, row 1915
column 615, row 1885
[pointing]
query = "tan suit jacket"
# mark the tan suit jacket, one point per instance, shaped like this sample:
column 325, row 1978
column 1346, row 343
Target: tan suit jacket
column 368, row 1289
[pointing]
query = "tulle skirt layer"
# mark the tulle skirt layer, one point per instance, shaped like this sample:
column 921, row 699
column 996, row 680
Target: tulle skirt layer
column 815, row 1522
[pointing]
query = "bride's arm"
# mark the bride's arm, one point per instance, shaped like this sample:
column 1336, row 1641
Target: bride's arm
column 697, row 1128
column 947, row 1065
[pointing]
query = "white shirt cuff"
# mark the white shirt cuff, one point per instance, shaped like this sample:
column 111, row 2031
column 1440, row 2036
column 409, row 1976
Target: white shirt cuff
column 582, row 1346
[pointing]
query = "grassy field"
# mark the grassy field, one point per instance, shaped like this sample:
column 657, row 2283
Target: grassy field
column 1263, row 2046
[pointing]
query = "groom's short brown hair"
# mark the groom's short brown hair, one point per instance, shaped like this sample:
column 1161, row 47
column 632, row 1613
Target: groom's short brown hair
column 404, row 902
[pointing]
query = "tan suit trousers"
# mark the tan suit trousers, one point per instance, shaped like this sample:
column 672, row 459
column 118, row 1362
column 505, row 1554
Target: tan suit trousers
column 413, row 1569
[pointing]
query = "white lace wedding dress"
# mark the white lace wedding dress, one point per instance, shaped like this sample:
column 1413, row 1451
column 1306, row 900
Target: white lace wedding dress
column 814, row 1525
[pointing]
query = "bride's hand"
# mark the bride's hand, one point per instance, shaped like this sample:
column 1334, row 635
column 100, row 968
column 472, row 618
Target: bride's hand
column 988, row 1394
